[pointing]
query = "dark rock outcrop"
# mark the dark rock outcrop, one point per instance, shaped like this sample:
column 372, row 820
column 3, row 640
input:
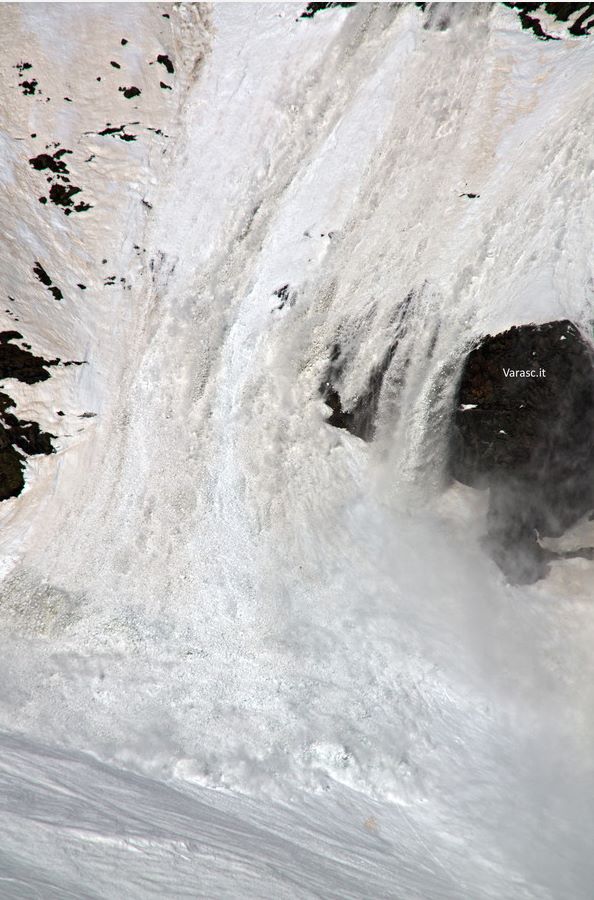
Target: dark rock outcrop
column 524, row 428
column 358, row 416
column 19, row 438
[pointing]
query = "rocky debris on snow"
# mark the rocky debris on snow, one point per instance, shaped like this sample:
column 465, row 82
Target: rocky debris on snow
column 524, row 428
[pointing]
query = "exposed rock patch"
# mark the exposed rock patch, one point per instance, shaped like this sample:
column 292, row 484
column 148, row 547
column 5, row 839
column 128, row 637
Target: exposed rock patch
column 61, row 191
column 358, row 416
column 312, row 8
column 578, row 18
column 42, row 276
column 524, row 428
column 130, row 92
column 19, row 438
column 164, row 60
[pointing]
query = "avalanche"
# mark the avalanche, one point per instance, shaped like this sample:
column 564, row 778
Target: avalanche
column 246, row 653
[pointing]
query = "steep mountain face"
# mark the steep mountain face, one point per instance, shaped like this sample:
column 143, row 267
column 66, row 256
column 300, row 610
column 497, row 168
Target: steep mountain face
column 258, row 261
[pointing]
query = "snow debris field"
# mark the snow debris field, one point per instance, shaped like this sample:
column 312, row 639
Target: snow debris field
column 252, row 644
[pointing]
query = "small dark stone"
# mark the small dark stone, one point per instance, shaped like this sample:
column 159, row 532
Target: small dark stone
column 165, row 87
column 115, row 64
column 123, row 42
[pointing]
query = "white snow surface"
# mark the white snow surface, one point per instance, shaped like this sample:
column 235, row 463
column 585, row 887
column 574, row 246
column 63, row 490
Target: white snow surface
column 245, row 654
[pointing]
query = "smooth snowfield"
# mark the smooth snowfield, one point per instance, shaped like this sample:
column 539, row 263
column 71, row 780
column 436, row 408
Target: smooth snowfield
column 245, row 654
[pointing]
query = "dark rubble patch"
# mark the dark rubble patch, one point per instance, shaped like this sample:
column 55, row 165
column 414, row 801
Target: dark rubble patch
column 42, row 275
column 527, row 439
column 130, row 92
column 312, row 8
column 359, row 417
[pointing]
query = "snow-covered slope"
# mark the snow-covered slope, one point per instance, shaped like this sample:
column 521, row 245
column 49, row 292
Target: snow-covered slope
column 209, row 586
